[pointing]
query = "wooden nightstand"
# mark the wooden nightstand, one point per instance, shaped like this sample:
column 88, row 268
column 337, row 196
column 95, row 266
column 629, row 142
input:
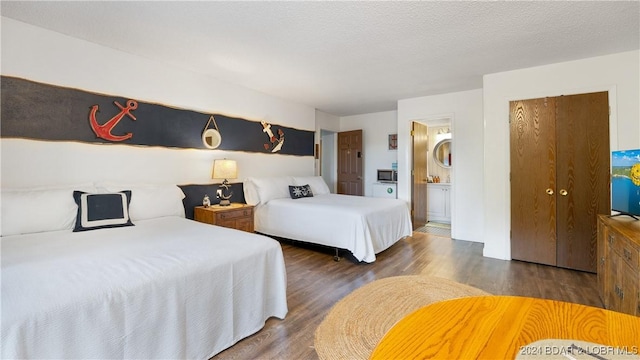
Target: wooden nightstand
column 235, row 216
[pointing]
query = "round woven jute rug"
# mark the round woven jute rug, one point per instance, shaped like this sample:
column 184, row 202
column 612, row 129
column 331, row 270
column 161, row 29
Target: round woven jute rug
column 355, row 324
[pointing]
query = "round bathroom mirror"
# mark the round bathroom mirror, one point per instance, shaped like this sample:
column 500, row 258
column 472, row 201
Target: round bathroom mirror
column 442, row 153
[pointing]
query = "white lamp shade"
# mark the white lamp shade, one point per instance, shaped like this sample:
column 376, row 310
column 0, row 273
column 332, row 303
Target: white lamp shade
column 224, row 169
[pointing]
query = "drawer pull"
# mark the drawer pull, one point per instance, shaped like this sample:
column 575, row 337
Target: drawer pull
column 246, row 213
column 611, row 239
column 627, row 254
column 223, row 216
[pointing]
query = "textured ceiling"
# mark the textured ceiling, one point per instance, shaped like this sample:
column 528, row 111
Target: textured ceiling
column 346, row 58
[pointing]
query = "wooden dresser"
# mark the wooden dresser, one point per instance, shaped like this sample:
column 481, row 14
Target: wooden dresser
column 235, row 216
column 619, row 263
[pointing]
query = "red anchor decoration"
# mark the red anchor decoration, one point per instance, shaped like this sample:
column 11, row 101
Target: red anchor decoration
column 104, row 131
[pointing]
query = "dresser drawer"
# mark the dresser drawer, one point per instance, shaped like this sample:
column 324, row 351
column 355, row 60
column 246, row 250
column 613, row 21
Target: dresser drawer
column 625, row 249
column 619, row 245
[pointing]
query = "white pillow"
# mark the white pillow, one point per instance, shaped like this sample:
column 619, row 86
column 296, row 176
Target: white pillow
column 250, row 192
column 317, row 184
column 149, row 201
column 32, row 210
column 271, row 188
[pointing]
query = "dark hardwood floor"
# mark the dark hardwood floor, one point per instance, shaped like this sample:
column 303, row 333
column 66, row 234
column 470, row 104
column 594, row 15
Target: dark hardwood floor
column 316, row 282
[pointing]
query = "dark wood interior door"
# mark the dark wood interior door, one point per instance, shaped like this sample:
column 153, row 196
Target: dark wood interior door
column 420, row 140
column 533, row 176
column 582, row 176
column 350, row 171
column 559, row 178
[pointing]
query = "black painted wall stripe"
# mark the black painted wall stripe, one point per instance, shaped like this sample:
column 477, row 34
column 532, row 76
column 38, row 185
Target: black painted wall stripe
column 46, row 112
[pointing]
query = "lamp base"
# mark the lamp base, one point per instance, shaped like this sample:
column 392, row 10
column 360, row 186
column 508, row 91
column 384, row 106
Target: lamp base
column 225, row 202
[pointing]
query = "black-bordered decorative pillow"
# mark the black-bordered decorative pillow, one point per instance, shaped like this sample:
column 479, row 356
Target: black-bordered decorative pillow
column 99, row 211
column 300, row 191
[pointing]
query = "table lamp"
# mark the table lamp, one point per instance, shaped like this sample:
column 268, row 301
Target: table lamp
column 225, row 169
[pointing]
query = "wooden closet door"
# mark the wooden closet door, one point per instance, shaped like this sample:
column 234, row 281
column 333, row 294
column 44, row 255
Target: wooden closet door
column 582, row 176
column 533, row 175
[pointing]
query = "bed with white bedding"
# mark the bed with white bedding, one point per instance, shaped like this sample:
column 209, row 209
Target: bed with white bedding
column 364, row 226
column 167, row 287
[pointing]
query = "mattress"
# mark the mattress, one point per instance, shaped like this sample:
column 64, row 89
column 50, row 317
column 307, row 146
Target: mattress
column 365, row 226
column 165, row 288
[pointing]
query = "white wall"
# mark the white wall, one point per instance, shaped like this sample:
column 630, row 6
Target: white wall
column 45, row 56
column 618, row 73
column 326, row 121
column 465, row 111
column 376, row 128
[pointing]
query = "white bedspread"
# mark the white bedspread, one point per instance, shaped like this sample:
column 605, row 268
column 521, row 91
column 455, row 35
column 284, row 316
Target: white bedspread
column 166, row 288
column 364, row 226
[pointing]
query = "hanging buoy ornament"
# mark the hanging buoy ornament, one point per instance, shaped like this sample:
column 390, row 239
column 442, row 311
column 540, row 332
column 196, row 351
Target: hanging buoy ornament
column 211, row 138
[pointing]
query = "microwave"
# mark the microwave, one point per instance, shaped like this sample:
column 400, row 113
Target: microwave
column 387, row 175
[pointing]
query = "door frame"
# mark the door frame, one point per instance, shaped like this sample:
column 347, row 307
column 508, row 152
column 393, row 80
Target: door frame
column 328, row 155
column 548, row 228
column 505, row 245
column 430, row 121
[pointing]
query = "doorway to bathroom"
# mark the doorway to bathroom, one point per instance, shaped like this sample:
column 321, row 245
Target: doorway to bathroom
column 432, row 175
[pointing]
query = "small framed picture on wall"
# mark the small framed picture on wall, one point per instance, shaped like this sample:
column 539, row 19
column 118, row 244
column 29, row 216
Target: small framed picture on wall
column 393, row 141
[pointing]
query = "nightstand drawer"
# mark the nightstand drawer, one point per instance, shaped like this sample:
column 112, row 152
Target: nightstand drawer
column 244, row 224
column 235, row 214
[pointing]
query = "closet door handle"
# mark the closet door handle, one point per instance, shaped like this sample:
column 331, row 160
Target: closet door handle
column 549, row 191
column 563, row 192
